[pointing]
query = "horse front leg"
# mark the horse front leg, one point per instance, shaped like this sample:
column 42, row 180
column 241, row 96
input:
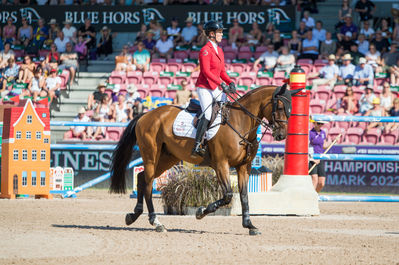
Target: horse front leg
column 222, row 173
column 243, row 178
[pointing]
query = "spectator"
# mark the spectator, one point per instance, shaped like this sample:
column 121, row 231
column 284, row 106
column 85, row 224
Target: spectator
column 367, row 31
column 10, row 32
column 82, row 132
column 309, row 21
column 164, row 47
column 395, row 34
column 393, row 112
column 174, row 30
column 53, row 32
column 104, row 109
column 134, row 102
column 156, row 28
column 69, row 61
column 25, row 33
column 394, row 70
column 52, row 59
column 141, row 35
column 132, row 95
column 347, row 41
column 286, row 61
column 365, row 8
column 254, row 37
column 69, row 31
column 236, row 34
column 53, row 85
column 373, row 57
column 124, row 61
column 366, row 100
column 6, row 54
column 295, row 44
column 356, row 55
column 189, row 32
column 346, row 71
column 380, row 43
column 120, row 109
column 149, row 42
column 97, row 97
column 88, row 32
column 348, row 26
column 201, row 38
column 302, row 30
column 268, row 58
column 375, row 111
column 328, row 46
column 183, row 96
column 385, row 29
column 318, row 32
column 349, row 102
column 390, row 58
column 386, row 97
column 339, row 55
column 81, row 47
column 327, row 75
column 36, row 87
column 40, row 34
column 61, row 42
column 26, row 70
column 364, row 75
column 343, row 11
column 363, row 44
column 141, row 58
column 277, row 41
column 270, row 29
column 10, row 74
column 104, row 45
column 310, row 47
column 98, row 132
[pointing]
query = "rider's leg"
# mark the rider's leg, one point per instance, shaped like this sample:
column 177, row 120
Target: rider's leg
column 206, row 98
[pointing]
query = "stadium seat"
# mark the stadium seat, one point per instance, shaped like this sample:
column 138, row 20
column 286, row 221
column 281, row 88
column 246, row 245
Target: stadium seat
column 321, row 61
column 114, row 133
column 390, row 137
column 306, row 67
column 244, row 49
column 278, row 81
column 175, row 60
column 150, row 78
column 317, row 67
column 267, row 137
column 188, row 67
column 157, row 67
column 323, row 93
column 194, row 75
column 180, row 55
column 68, row 135
column 43, row 53
column 64, row 76
column 354, row 135
column 245, row 55
column 238, row 67
column 158, row 60
column 170, row 93
column 279, row 74
column 331, row 106
column 317, row 106
column 193, row 54
column 261, row 49
column 179, row 79
column 173, row 67
column 380, row 81
column 19, row 53
column 305, row 61
column 156, row 92
column 263, row 81
column 357, row 92
column 334, row 132
column 143, row 92
column 133, row 77
column 339, row 91
column 224, row 42
column 372, row 135
column 165, row 80
column 117, row 77
column 230, row 55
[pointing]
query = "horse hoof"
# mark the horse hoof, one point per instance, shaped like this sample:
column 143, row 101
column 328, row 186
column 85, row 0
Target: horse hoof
column 131, row 218
column 254, row 232
column 200, row 212
column 160, row 228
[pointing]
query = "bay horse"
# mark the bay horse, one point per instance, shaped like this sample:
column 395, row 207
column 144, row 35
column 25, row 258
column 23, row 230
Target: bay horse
column 234, row 145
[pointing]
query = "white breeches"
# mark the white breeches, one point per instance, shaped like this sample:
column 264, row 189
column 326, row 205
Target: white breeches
column 206, row 97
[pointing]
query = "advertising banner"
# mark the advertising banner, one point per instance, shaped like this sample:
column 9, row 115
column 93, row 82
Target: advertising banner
column 129, row 18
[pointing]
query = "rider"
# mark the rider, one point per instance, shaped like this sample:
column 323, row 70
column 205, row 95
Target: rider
column 212, row 72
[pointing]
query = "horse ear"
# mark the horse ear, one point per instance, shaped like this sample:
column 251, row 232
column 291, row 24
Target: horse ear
column 293, row 92
column 282, row 89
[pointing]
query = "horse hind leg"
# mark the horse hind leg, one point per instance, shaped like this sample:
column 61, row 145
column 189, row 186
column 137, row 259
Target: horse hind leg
column 138, row 210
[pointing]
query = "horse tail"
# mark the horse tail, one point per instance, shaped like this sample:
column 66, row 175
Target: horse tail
column 122, row 156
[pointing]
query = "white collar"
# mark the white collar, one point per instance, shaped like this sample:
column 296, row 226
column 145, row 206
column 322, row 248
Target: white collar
column 215, row 46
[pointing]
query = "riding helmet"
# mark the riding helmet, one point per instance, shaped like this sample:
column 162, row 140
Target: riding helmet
column 212, row 25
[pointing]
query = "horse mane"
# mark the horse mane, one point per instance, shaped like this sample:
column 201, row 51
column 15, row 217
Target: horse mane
column 256, row 90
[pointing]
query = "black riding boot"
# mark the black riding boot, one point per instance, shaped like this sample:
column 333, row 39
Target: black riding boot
column 201, row 129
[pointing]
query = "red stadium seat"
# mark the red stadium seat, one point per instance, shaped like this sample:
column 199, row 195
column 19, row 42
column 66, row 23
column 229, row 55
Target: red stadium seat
column 372, row 135
column 305, row 61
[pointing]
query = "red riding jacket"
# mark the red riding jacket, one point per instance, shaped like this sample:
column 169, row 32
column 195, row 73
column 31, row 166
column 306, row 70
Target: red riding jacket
column 212, row 68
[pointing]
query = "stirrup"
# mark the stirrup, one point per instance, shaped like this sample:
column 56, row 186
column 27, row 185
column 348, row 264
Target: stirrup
column 198, row 150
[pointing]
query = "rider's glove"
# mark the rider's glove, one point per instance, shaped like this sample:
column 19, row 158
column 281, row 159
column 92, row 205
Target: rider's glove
column 232, row 87
column 224, row 87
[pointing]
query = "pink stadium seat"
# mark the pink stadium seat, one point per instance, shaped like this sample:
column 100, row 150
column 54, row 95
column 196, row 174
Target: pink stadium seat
column 317, row 106
column 114, row 133
column 195, row 75
column 133, row 79
column 323, row 93
column 380, row 81
column 279, row 74
column 230, row 55
column 42, row 53
column 158, row 60
column 170, row 93
column 331, row 105
column 244, row 49
column 229, row 49
column 305, row 61
column 143, row 92
column 339, row 91
column 117, row 77
column 246, row 80
column 180, row 55
column 188, row 67
column 354, row 135
column 306, row 67
column 390, row 137
column 261, row 49
column 263, row 81
column 173, row 67
column 156, row 92
column 267, row 137
column 193, row 54
column 69, row 136
column 238, row 67
column 244, row 55
column 150, row 78
column 334, row 132
column 318, row 67
column 279, row 81
column 321, row 61
column 157, row 67
column 164, row 80
column 357, row 92
column 372, row 135
column 175, row 60
column 64, row 76
column 179, row 79
column 224, row 42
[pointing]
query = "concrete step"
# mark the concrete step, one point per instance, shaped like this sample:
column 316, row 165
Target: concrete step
column 99, row 67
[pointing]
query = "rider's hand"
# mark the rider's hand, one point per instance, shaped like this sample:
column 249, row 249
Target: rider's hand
column 224, row 87
column 232, row 87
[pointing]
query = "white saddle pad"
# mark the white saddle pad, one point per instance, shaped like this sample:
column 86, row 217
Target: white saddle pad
column 183, row 125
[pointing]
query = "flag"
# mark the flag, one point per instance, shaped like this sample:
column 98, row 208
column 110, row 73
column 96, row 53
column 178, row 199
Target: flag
column 43, row 101
column 15, row 99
